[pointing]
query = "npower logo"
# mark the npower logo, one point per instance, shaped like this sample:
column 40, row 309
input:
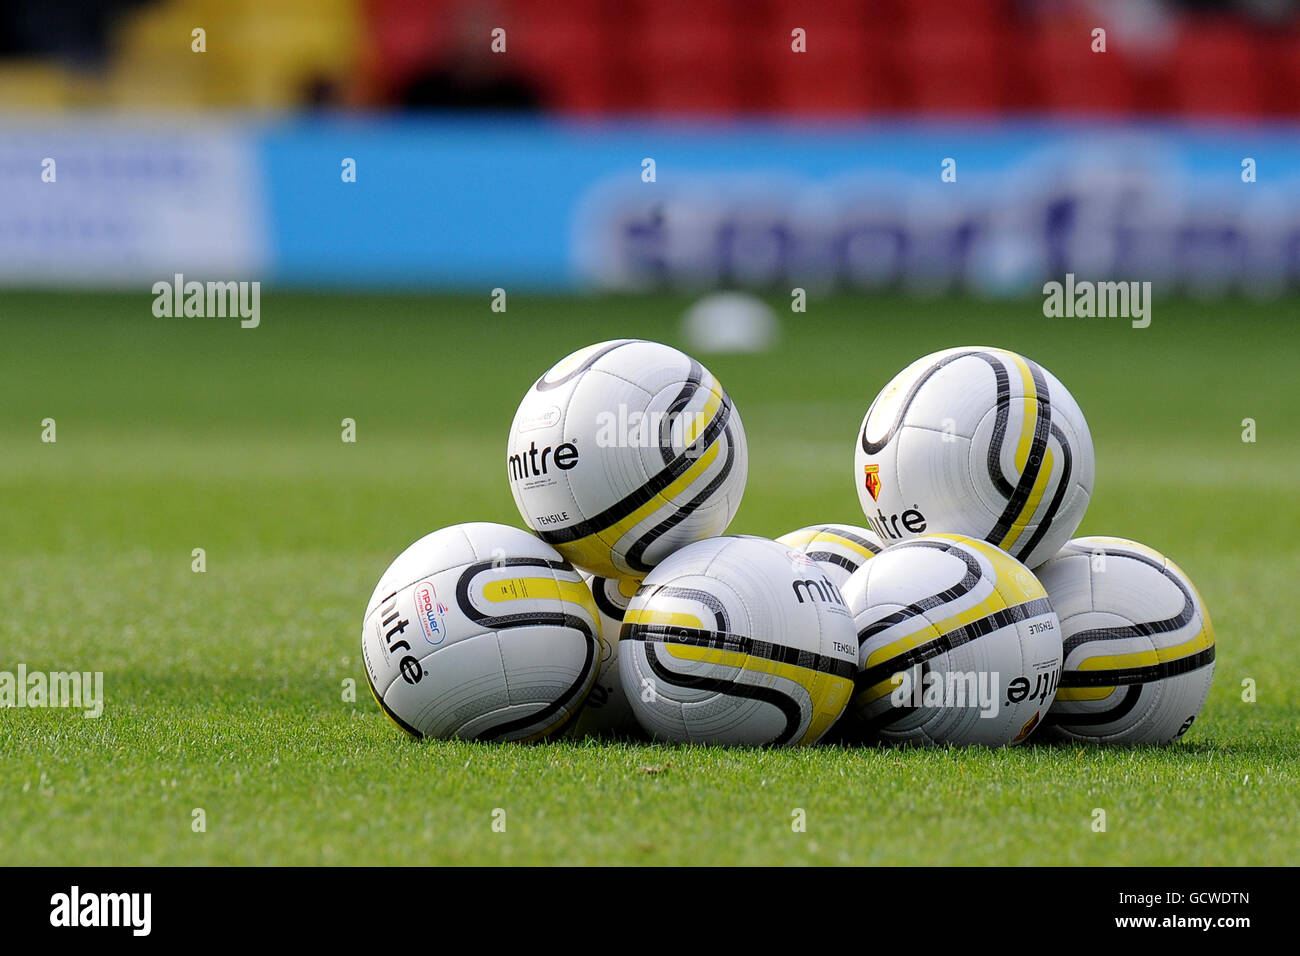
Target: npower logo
column 432, row 613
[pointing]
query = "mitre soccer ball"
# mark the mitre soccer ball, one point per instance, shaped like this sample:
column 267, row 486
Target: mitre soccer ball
column 737, row 640
column 1139, row 646
column 840, row 549
column 958, row 644
column 624, row 452
column 607, row 712
column 976, row 441
column 481, row 631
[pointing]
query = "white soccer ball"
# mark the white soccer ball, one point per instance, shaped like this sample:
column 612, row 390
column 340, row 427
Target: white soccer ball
column 976, row 441
column 1139, row 645
column 958, row 644
column 737, row 640
column 730, row 322
column 480, row 631
column 607, row 711
column 840, row 549
column 624, row 452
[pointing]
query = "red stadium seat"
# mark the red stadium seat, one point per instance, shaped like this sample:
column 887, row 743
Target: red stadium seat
column 670, row 55
column 403, row 35
column 1215, row 69
column 950, row 16
column 843, row 69
column 953, row 71
column 686, row 14
column 569, row 59
column 840, row 75
column 694, row 70
column 936, row 56
column 1279, row 53
column 1074, row 79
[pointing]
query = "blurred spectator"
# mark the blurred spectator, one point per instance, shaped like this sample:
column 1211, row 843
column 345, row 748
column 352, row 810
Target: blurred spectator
column 465, row 73
column 77, row 32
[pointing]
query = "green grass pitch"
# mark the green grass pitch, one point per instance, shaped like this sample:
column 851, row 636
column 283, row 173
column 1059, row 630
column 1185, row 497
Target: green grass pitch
column 225, row 690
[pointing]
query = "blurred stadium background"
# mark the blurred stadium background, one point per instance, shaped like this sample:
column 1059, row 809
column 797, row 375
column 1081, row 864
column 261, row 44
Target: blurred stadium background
column 523, row 168
column 126, row 157
column 707, row 57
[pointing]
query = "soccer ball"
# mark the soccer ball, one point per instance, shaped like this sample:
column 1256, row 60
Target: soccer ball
column 737, row 640
column 624, row 452
column 607, row 711
column 483, row 632
column 730, row 322
column 840, row 549
column 976, row 441
column 958, row 644
column 1139, row 646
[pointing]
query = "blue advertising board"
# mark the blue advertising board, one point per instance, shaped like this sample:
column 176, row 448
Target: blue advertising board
column 1000, row 209
column 479, row 203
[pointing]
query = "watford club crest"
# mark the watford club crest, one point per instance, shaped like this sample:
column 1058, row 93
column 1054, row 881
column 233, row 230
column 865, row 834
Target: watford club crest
column 871, row 479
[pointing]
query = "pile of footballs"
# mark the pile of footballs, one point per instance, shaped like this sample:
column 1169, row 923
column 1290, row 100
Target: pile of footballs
column 961, row 612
